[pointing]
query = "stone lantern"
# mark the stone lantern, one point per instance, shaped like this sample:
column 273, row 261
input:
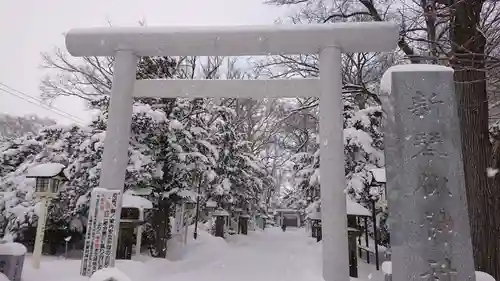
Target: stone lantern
column 243, row 224
column 131, row 221
column 48, row 178
column 184, row 209
column 220, row 218
column 234, row 227
column 314, row 221
column 210, row 206
column 189, row 204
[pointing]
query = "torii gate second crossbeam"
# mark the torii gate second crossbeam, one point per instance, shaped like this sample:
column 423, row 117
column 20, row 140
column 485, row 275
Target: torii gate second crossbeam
column 327, row 40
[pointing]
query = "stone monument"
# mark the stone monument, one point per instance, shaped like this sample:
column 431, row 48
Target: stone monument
column 428, row 220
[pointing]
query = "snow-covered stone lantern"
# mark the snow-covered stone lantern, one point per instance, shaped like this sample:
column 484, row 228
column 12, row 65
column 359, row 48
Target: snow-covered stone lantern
column 210, row 206
column 48, row 178
column 189, row 204
column 184, row 208
column 131, row 220
column 243, row 223
column 314, row 220
column 220, row 217
column 234, row 222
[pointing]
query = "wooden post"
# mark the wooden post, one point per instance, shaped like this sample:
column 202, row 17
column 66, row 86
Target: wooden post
column 353, row 253
column 375, row 236
column 358, row 224
column 367, row 240
column 138, row 239
column 40, row 232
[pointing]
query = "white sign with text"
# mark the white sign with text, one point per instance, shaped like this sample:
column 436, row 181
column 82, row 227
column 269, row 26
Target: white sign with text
column 101, row 226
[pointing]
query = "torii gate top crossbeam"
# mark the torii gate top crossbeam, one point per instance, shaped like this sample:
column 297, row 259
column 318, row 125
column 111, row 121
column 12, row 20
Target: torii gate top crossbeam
column 234, row 40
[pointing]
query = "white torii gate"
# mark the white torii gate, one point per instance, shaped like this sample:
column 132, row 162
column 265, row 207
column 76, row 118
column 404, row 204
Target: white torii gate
column 327, row 40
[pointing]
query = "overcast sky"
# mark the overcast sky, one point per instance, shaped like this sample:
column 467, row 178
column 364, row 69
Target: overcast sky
column 28, row 27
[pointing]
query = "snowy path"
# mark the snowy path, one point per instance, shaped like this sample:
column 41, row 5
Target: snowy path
column 272, row 255
column 269, row 256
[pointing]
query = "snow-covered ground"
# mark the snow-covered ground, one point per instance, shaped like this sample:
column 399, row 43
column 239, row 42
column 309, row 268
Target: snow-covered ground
column 271, row 255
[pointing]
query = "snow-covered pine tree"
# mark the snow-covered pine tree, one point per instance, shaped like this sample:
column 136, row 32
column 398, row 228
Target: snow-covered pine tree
column 363, row 149
column 363, row 144
column 240, row 176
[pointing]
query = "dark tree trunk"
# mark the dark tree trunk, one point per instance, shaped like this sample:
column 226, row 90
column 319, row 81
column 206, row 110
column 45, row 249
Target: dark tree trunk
column 161, row 215
column 161, row 226
column 470, row 80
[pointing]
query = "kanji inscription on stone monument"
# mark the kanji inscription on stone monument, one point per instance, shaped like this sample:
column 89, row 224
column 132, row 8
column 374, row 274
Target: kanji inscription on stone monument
column 432, row 185
column 427, row 144
column 438, row 224
column 439, row 271
column 422, row 103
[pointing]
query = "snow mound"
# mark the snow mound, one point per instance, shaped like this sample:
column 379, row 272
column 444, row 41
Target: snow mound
column 357, row 209
column 109, row 274
column 491, row 172
column 387, row 267
column 206, row 246
column 379, row 175
column 14, row 249
column 481, row 276
column 45, row 170
column 3, row 277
